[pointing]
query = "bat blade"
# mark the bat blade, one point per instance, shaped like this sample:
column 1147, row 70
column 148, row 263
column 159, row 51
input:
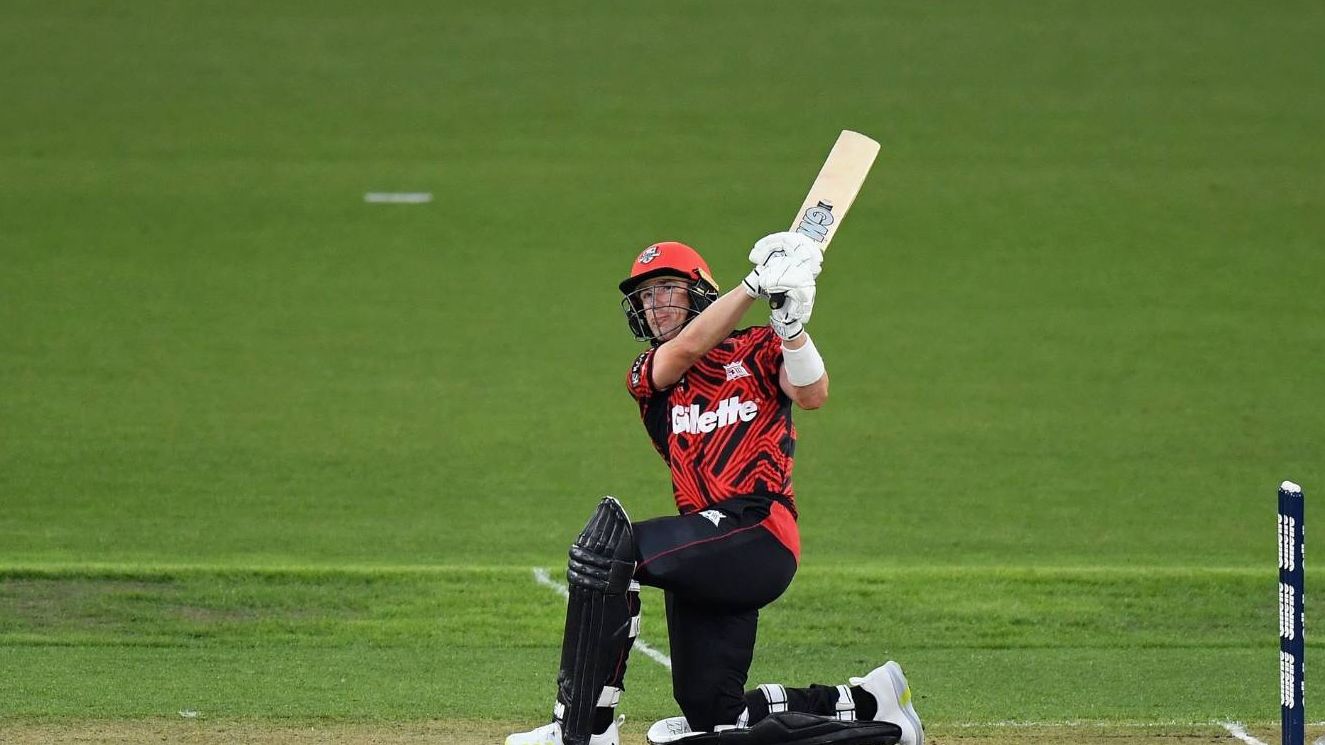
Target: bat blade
column 836, row 187
column 833, row 192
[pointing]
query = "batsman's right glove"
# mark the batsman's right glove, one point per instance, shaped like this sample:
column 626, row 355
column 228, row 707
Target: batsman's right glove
column 783, row 259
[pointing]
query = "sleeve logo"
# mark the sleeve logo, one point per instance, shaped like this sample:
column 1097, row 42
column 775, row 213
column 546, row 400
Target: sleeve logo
column 636, row 368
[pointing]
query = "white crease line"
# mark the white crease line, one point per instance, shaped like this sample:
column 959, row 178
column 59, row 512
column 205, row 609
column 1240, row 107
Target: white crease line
column 542, row 577
column 1237, row 730
column 397, row 197
column 1076, row 724
column 1080, row 724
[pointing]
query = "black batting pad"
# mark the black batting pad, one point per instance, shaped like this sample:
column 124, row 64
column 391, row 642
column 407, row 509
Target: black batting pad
column 598, row 617
column 795, row 728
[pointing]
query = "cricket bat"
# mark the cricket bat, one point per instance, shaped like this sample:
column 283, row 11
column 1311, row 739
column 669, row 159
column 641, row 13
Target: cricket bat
column 834, row 190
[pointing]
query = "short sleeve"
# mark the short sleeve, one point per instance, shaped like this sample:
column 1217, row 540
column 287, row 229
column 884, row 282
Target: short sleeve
column 640, row 379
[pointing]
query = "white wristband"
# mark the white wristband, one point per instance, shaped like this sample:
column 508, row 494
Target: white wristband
column 804, row 365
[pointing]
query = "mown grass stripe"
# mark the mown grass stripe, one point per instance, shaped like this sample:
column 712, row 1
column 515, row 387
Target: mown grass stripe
column 122, row 569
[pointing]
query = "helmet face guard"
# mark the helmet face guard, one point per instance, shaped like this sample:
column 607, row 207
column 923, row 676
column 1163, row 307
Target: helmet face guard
column 701, row 296
column 667, row 259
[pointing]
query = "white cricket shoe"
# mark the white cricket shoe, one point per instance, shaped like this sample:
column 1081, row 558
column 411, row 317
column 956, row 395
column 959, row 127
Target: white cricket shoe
column 670, row 730
column 550, row 734
column 888, row 686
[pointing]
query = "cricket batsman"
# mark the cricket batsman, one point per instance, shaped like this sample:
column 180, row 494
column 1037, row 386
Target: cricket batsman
column 717, row 404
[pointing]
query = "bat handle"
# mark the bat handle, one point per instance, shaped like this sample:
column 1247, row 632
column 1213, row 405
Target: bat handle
column 776, row 300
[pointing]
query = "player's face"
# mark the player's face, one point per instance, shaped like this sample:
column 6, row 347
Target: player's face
column 666, row 303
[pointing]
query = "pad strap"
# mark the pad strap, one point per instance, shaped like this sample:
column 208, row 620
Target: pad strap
column 846, row 704
column 775, row 695
column 633, row 590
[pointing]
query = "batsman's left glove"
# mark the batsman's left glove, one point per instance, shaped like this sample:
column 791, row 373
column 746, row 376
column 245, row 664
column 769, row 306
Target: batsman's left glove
column 789, row 319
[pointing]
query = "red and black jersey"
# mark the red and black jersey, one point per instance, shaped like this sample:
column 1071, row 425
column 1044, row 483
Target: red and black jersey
column 725, row 428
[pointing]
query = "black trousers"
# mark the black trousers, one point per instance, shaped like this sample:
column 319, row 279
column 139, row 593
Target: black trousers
column 717, row 569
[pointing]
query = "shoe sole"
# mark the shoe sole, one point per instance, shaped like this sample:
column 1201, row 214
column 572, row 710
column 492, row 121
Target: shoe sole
column 904, row 699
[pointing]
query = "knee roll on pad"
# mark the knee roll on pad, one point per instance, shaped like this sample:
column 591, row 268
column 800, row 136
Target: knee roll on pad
column 600, row 622
column 796, row 728
column 603, row 557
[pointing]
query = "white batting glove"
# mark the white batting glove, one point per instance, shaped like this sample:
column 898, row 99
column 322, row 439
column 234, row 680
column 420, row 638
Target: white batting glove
column 789, row 320
column 782, row 255
column 800, row 248
column 754, row 283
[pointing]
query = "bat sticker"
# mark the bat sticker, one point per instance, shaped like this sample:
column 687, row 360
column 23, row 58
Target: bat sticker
column 814, row 224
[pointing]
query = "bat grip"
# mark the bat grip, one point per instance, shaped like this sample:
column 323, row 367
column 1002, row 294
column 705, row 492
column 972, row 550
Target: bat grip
column 776, row 300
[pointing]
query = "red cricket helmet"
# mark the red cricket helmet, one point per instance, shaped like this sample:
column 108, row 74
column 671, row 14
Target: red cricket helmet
column 666, row 259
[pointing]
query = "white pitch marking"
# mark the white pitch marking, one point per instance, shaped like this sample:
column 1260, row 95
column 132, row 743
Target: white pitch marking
column 542, row 577
column 394, row 197
column 1079, row 724
column 1237, row 730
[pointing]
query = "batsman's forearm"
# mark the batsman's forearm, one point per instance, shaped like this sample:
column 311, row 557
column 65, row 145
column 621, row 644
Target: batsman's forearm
column 714, row 324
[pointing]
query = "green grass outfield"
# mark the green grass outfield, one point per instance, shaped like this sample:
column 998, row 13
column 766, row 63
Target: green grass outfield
column 986, row 644
column 268, row 452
